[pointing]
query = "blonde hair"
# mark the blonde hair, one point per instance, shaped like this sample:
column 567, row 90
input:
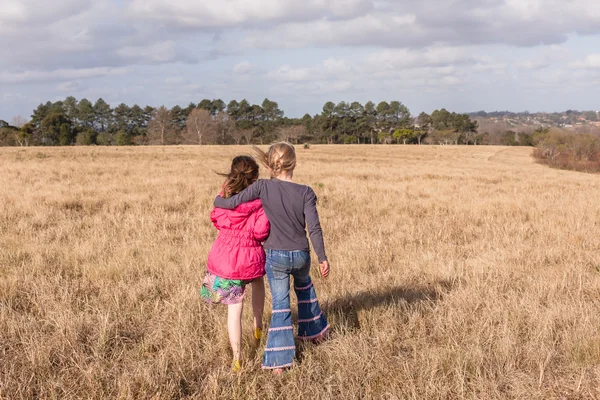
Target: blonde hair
column 280, row 157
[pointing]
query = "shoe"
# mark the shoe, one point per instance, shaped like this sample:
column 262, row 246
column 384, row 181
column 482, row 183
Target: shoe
column 257, row 333
column 237, row 367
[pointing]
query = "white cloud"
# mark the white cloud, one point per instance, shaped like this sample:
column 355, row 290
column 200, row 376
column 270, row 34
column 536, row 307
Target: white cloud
column 427, row 22
column 59, row 75
column 592, row 61
column 337, row 66
column 429, row 57
column 69, row 87
column 212, row 14
column 438, row 67
column 175, row 80
column 243, row 68
column 161, row 52
column 287, row 73
column 545, row 57
column 17, row 12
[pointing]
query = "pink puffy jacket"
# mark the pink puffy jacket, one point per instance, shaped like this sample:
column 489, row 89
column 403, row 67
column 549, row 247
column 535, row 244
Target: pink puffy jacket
column 237, row 253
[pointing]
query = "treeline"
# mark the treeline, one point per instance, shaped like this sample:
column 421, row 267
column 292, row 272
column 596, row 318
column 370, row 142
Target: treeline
column 567, row 150
column 82, row 122
column 588, row 115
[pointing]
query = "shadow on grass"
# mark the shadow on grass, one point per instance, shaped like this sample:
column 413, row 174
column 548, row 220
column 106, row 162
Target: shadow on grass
column 347, row 307
column 343, row 312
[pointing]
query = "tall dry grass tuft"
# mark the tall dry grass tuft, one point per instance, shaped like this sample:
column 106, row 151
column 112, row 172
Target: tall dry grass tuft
column 458, row 272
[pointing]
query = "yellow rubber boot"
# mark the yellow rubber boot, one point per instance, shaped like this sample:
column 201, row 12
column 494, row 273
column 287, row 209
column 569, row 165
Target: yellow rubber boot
column 237, row 366
column 257, row 333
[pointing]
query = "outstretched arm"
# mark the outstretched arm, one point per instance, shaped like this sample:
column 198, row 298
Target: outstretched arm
column 252, row 192
column 314, row 226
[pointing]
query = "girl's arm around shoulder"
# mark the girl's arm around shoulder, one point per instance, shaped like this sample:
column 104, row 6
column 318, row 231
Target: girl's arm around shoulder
column 252, row 192
column 262, row 226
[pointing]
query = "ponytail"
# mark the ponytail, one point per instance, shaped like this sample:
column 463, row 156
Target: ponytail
column 279, row 158
column 244, row 172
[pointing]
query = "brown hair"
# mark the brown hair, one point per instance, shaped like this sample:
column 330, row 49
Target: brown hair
column 244, row 172
column 279, row 158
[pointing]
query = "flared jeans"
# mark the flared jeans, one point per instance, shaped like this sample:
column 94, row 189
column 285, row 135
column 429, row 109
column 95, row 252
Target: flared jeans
column 312, row 324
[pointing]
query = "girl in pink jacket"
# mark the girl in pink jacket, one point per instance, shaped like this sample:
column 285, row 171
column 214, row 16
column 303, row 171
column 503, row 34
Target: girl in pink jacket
column 237, row 258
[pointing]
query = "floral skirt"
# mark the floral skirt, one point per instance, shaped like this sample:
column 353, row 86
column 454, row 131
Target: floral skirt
column 217, row 290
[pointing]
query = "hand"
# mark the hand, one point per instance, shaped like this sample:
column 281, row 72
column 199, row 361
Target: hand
column 324, row 269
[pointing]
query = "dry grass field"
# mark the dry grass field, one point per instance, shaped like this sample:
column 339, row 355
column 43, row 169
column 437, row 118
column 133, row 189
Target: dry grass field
column 458, row 272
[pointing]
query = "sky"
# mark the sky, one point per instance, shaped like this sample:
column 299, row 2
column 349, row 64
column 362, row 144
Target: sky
column 464, row 55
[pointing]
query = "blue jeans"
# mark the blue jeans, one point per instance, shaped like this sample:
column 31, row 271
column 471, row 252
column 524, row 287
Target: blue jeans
column 312, row 324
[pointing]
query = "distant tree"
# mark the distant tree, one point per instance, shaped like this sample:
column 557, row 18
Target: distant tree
column 291, row 133
column 465, row 128
column 369, row 119
column 405, row 135
column 189, row 109
column 244, row 115
column 56, row 129
column 356, row 122
column 425, row 125
column 219, row 106
column 307, row 121
column 138, row 121
column 240, row 135
column 424, row 121
column 147, row 114
column 328, row 121
column 123, row 120
column 179, row 116
column 399, row 115
column 384, row 117
column 161, row 129
column 24, row 135
column 122, row 138
column 71, row 109
column 591, row 115
column 208, row 105
column 233, row 109
column 441, row 120
column 86, row 137
column 8, row 134
column 85, row 113
column 18, row 121
column 224, row 125
column 66, row 136
column 57, row 107
column 40, row 113
column 511, row 138
column 256, row 114
column 103, row 115
column 199, row 126
column 342, row 116
column 271, row 110
column 103, row 139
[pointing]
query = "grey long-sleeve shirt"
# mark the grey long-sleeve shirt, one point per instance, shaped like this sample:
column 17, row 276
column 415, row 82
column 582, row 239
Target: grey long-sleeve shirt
column 291, row 208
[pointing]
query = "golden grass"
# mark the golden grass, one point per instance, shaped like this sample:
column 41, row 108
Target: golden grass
column 458, row 272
